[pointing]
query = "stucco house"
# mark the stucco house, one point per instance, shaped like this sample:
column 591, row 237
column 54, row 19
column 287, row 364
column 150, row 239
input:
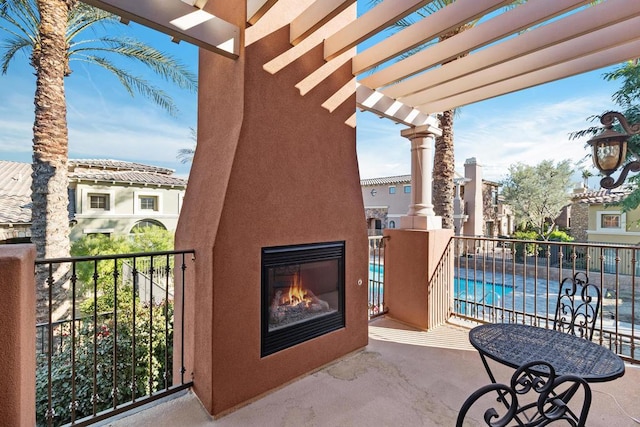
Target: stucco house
column 478, row 210
column 108, row 197
column 594, row 216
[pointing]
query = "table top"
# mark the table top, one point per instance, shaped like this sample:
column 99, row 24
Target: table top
column 514, row 345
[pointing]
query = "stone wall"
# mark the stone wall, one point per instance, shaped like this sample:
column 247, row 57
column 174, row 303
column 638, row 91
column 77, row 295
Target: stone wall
column 579, row 221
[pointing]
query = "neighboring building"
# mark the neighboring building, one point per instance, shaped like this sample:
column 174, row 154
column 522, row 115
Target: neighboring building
column 478, row 210
column 594, row 218
column 15, row 202
column 385, row 201
column 108, row 197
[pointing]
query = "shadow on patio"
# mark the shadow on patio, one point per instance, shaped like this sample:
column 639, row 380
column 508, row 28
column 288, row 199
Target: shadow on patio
column 403, row 377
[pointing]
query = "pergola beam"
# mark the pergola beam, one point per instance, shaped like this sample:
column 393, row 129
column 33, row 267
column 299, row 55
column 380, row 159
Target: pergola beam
column 444, row 20
column 257, row 8
column 581, row 65
column 375, row 102
column 590, row 43
column 314, row 17
column 372, row 22
column 179, row 20
column 503, row 25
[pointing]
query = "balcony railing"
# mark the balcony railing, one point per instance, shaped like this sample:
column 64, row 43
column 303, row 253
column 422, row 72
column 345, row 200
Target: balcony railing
column 376, row 276
column 517, row 281
column 108, row 345
column 505, row 280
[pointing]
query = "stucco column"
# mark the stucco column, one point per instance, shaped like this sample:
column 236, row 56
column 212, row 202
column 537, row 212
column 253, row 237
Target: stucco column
column 17, row 336
column 421, row 215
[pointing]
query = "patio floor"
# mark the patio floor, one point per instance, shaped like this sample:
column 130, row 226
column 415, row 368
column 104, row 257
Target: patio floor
column 403, row 377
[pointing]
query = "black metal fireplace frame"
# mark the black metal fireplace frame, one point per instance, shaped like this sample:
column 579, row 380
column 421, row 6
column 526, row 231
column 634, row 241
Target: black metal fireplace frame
column 277, row 256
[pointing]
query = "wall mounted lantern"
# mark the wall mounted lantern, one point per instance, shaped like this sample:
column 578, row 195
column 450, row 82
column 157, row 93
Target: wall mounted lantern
column 610, row 149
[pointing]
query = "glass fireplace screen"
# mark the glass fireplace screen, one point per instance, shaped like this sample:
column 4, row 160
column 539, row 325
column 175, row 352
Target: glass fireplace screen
column 302, row 293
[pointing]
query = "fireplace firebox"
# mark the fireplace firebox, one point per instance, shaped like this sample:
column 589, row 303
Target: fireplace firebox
column 302, row 293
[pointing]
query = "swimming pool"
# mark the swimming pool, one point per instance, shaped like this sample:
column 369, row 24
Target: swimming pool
column 463, row 289
column 480, row 292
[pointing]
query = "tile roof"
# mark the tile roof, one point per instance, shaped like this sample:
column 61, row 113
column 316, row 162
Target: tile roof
column 15, row 182
column 15, row 209
column 15, row 178
column 128, row 177
column 601, row 196
column 108, row 164
column 399, row 179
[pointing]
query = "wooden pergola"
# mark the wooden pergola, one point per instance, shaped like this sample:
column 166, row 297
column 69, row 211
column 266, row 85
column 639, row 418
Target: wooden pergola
column 507, row 50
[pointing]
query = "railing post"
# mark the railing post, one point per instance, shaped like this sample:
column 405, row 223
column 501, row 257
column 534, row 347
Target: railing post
column 17, row 336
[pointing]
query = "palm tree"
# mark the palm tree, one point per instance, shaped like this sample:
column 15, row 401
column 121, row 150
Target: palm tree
column 443, row 159
column 586, row 174
column 52, row 33
column 185, row 155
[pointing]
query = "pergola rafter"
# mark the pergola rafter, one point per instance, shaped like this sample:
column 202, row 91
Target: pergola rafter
column 530, row 44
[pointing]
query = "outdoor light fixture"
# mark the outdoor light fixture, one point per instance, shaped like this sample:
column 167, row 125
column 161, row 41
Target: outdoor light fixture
column 610, row 149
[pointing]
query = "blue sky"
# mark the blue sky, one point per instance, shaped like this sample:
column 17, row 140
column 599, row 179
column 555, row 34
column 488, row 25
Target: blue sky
column 105, row 122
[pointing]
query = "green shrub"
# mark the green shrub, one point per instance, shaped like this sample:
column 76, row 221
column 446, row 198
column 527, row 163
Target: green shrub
column 146, row 363
column 560, row 236
column 143, row 347
column 521, row 248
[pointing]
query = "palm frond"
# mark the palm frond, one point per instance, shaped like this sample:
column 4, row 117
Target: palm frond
column 161, row 63
column 83, row 16
column 9, row 50
column 185, row 155
column 22, row 17
column 137, row 84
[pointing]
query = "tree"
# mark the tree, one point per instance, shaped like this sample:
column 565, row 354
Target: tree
column 444, row 158
column 185, row 155
column 52, row 33
column 586, row 174
column 538, row 193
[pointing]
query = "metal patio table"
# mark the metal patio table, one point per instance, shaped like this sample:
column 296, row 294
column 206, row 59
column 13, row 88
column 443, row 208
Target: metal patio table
column 515, row 345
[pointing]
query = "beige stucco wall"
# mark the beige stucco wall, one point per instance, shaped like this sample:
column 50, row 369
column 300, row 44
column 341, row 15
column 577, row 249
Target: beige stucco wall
column 630, row 234
column 124, row 211
column 396, row 205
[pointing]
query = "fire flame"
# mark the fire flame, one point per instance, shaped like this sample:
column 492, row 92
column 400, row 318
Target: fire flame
column 297, row 293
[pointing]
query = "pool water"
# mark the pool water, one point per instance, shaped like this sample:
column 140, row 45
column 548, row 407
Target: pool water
column 464, row 289
column 480, row 292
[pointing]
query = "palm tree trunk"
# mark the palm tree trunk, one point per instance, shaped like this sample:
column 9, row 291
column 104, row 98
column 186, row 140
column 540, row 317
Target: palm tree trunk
column 444, row 171
column 50, row 214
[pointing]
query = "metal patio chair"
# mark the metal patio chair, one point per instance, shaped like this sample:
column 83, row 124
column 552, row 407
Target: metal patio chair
column 535, row 397
column 577, row 306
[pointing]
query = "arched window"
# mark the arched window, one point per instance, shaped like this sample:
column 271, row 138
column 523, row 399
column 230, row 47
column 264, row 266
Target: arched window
column 392, row 224
column 146, row 223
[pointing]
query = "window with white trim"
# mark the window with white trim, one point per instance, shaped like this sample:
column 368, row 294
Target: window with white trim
column 611, row 221
column 99, row 201
column 148, row 203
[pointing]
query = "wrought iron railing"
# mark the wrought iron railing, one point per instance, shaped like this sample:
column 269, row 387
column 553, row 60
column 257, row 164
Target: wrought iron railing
column 376, row 276
column 517, row 281
column 105, row 350
column 440, row 288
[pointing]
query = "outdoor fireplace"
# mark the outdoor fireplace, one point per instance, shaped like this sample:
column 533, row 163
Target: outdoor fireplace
column 302, row 293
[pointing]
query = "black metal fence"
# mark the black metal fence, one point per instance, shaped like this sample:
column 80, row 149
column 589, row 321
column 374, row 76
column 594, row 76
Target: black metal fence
column 517, row 281
column 105, row 350
column 376, row 276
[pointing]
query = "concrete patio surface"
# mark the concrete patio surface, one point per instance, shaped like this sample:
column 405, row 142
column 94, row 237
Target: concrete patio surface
column 404, row 377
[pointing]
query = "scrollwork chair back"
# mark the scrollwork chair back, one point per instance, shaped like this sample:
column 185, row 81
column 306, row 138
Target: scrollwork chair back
column 577, row 306
column 555, row 399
